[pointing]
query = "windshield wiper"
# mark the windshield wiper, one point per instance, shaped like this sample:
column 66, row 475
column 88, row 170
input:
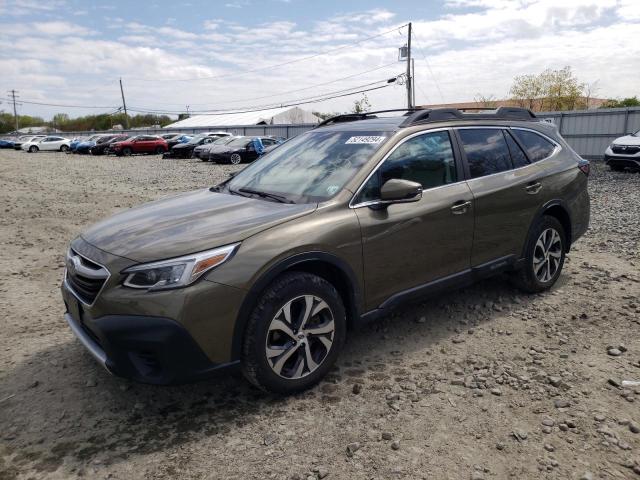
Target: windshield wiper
column 273, row 196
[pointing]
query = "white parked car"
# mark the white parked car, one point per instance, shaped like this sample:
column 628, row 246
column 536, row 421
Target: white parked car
column 624, row 152
column 47, row 143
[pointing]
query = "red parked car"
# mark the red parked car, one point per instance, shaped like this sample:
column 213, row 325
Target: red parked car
column 140, row 144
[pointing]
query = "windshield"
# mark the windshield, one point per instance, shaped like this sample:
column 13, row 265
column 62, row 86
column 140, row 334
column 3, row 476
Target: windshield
column 195, row 140
column 239, row 142
column 223, row 140
column 312, row 167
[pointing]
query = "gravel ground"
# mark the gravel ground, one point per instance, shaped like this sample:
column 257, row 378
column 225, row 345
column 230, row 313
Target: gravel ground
column 482, row 383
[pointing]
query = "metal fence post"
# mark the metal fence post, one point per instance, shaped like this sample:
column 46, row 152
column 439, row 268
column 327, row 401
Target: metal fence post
column 626, row 121
column 560, row 123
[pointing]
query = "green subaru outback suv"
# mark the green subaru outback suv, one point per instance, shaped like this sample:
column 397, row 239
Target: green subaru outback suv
column 271, row 269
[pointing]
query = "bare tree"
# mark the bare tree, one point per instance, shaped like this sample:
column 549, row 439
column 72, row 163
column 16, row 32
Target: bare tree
column 488, row 101
column 362, row 105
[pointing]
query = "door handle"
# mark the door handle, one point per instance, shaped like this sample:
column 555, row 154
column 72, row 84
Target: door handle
column 460, row 207
column 533, row 188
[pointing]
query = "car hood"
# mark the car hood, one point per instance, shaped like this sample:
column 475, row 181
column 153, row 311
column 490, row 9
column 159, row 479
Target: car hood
column 188, row 223
column 627, row 140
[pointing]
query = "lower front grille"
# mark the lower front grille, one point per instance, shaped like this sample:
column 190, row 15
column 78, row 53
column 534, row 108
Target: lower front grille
column 85, row 277
column 626, row 149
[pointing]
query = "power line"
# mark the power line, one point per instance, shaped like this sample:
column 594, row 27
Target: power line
column 65, row 105
column 305, row 101
column 259, row 69
column 297, row 90
column 274, row 105
column 430, row 71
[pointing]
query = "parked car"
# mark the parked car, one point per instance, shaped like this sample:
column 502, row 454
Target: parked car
column 17, row 145
column 103, row 146
column 167, row 136
column 140, row 144
column 624, row 152
column 185, row 150
column 176, row 139
column 49, row 143
column 202, row 151
column 240, row 150
column 84, row 147
column 270, row 269
column 5, row 143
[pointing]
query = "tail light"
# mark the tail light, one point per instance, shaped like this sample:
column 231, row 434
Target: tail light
column 584, row 166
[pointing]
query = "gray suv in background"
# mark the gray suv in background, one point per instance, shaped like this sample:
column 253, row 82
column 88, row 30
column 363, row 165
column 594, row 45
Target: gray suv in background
column 272, row 268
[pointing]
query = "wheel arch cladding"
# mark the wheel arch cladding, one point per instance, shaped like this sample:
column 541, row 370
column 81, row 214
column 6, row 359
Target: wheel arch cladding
column 327, row 266
column 560, row 213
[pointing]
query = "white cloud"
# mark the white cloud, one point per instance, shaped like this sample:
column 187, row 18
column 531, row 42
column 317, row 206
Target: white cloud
column 477, row 46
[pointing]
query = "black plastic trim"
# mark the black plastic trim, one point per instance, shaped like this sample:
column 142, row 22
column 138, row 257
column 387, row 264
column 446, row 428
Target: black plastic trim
column 267, row 277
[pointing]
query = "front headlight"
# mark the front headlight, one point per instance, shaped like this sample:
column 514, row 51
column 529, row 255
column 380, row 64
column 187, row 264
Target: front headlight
column 176, row 272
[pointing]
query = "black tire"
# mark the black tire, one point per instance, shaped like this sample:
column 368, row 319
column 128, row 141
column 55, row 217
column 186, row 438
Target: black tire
column 33, row 149
column 126, row 152
column 526, row 278
column 235, row 159
column 64, row 148
column 616, row 168
column 255, row 364
column 159, row 150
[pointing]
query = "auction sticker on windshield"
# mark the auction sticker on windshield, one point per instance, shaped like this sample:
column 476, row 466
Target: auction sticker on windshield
column 366, row 140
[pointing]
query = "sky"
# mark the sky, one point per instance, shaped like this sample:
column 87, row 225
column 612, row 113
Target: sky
column 245, row 54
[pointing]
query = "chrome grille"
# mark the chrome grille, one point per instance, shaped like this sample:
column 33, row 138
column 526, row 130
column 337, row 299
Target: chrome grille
column 84, row 277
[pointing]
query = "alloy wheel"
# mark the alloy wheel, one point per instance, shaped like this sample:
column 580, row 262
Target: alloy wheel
column 300, row 337
column 547, row 255
column 236, row 158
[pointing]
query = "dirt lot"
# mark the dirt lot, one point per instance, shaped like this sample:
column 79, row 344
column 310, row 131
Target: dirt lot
column 483, row 383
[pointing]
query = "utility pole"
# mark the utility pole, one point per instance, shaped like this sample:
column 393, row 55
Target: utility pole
column 124, row 105
column 409, row 78
column 15, row 113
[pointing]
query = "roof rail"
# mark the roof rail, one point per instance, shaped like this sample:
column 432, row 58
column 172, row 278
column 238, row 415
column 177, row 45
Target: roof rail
column 443, row 114
column 352, row 117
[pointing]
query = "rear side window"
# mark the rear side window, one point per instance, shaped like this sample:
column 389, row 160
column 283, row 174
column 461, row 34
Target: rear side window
column 518, row 157
column 537, row 147
column 486, row 150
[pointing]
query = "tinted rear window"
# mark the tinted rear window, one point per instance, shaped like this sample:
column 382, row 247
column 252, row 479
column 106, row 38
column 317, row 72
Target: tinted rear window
column 486, row 150
column 517, row 155
column 537, row 147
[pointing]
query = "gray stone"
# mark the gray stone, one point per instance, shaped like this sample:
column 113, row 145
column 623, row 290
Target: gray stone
column 353, row 448
column 395, row 445
column 561, row 403
column 614, row 352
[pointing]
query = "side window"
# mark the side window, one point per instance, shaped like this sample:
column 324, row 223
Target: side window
column 427, row 159
column 537, row 147
column 486, row 150
column 518, row 157
column 46, row 139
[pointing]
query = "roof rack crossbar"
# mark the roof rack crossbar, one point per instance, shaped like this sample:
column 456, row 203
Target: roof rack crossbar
column 443, row 114
column 352, row 117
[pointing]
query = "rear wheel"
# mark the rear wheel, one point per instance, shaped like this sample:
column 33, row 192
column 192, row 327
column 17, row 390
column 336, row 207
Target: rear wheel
column 294, row 334
column 544, row 256
column 159, row 150
column 33, row 149
column 64, row 148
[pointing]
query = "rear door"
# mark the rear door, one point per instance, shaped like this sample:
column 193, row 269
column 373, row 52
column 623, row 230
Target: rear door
column 505, row 187
column 406, row 245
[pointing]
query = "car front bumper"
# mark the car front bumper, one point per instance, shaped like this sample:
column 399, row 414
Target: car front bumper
column 154, row 350
column 622, row 161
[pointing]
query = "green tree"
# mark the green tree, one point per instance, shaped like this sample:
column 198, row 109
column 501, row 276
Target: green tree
column 549, row 90
column 362, row 105
column 625, row 102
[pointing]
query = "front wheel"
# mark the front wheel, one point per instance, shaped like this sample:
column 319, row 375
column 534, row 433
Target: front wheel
column 294, row 334
column 64, row 148
column 126, row 152
column 544, row 256
column 159, row 150
column 236, row 159
column 616, row 168
column 33, row 149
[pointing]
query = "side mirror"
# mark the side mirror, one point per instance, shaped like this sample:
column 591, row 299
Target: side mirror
column 397, row 190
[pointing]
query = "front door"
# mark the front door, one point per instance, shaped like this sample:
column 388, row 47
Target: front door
column 406, row 245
